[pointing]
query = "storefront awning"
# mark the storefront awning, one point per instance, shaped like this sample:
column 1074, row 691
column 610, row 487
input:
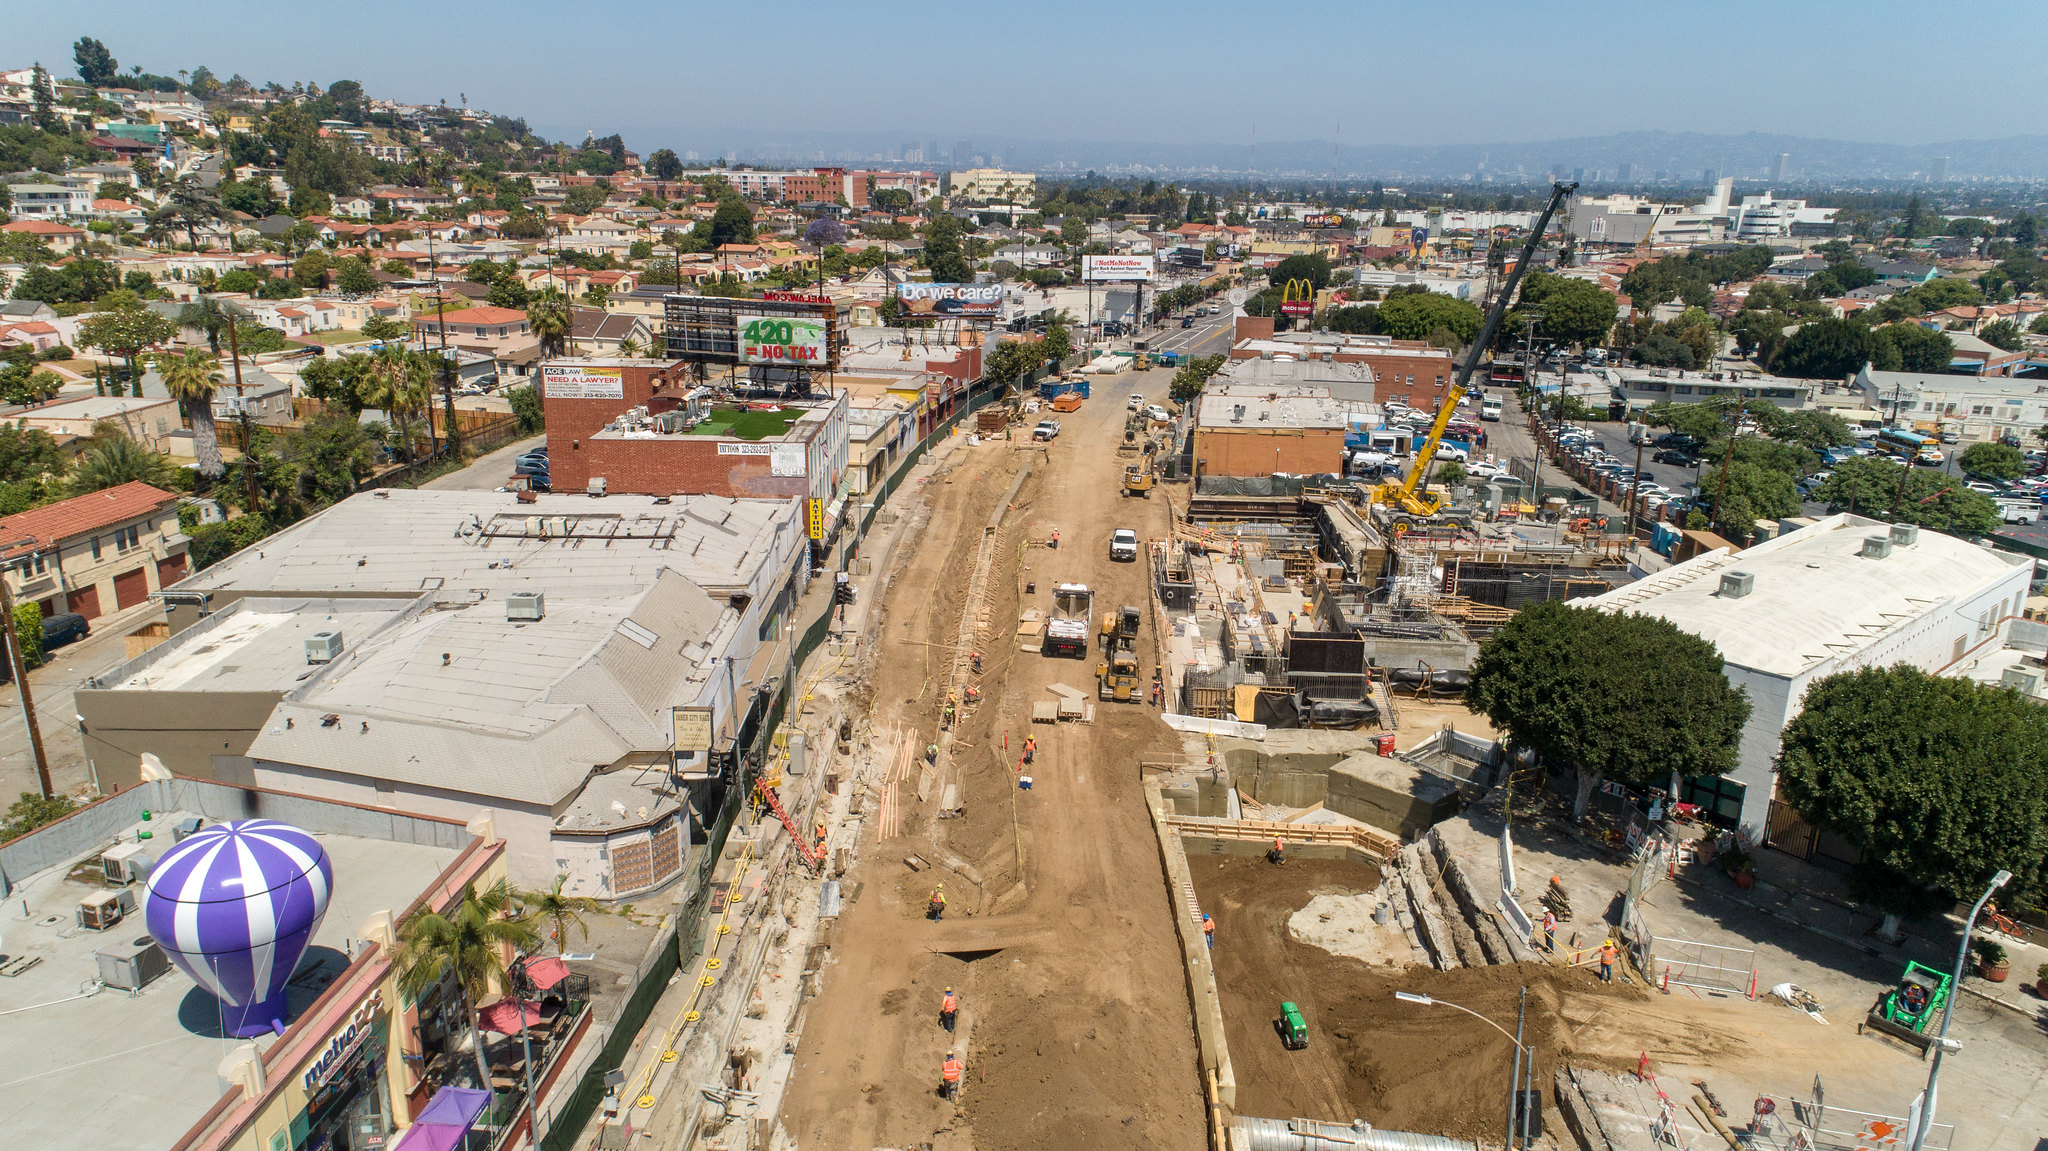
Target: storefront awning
column 445, row 1120
column 509, row 1016
column 546, row 972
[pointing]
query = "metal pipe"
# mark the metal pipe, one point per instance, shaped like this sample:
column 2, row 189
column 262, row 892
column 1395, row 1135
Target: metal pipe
column 1358, row 1135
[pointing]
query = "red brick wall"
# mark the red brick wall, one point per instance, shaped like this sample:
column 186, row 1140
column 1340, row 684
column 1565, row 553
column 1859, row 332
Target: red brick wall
column 1253, row 328
column 667, row 466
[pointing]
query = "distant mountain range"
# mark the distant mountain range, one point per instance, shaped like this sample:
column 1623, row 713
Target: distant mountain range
column 1629, row 157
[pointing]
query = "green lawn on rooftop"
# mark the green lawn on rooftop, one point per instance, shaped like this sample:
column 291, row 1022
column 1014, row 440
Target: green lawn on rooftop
column 746, row 423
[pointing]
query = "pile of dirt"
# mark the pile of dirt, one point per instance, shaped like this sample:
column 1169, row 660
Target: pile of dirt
column 1399, row 1065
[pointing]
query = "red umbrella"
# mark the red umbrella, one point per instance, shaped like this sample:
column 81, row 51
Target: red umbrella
column 509, row 1016
column 547, row 971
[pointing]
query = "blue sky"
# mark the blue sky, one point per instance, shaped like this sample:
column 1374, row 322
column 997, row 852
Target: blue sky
column 711, row 76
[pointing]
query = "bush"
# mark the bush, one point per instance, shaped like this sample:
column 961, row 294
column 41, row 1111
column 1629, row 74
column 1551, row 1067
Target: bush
column 32, row 811
column 56, row 352
column 28, row 632
column 212, row 543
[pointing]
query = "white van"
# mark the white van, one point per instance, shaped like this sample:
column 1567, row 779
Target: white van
column 1489, row 408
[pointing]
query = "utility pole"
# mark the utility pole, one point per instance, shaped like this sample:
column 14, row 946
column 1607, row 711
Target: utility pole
column 1714, row 516
column 1635, row 484
column 19, row 667
column 248, row 437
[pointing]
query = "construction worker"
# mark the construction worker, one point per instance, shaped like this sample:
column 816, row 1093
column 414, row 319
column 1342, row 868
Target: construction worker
column 1158, row 692
column 949, row 1076
column 948, row 1008
column 1208, row 931
column 1549, row 930
column 1279, row 852
column 949, row 709
column 935, row 907
column 819, row 833
column 931, row 754
column 1055, row 539
column 1030, row 747
column 974, row 657
column 1607, row 954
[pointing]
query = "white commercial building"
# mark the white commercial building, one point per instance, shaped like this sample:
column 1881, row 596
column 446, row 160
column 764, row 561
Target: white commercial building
column 1766, row 218
column 1840, row 595
column 1977, row 407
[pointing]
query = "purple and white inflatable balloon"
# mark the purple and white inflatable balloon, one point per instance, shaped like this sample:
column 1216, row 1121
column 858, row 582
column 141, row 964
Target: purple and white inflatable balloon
column 235, row 906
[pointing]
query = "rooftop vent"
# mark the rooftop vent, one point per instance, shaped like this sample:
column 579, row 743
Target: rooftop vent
column 1735, row 585
column 525, row 606
column 323, row 646
column 1876, row 547
column 1905, row 535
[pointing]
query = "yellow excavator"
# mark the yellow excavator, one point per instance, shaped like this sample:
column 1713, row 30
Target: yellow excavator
column 1138, row 477
column 1408, row 502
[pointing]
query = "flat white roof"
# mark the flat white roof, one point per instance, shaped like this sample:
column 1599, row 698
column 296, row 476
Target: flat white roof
column 1815, row 597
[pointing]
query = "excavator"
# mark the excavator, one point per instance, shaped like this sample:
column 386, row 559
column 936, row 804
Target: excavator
column 1407, row 503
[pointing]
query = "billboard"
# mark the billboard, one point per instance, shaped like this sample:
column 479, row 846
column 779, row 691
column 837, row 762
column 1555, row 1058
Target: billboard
column 783, row 340
column 1327, row 220
column 1103, row 269
column 978, row 300
column 572, row 383
column 711, row 329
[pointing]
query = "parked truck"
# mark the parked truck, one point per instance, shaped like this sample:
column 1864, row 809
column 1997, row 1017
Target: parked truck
column 1066, row 631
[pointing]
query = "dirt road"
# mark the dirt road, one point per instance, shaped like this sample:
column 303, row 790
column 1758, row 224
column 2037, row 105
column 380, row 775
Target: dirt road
column 1074, row 1027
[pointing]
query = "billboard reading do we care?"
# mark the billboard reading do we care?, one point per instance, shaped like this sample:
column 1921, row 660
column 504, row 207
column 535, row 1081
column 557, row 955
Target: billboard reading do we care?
column 950, row 299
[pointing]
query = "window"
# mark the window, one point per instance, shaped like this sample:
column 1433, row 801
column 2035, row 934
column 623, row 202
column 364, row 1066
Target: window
column 125, row 538
column 32, row 565
column 1682, row 389
column 95, row 547
column 1719, row 797
column 1962, row 644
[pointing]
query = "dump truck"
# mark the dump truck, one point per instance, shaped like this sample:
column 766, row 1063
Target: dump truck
column 1066, row 631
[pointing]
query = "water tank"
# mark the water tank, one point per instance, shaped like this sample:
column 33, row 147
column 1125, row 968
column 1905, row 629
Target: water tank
column 323, row 646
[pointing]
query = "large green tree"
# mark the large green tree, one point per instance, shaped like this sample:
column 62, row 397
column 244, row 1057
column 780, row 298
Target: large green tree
column 191, row 379
column 1314, row 268
column 115, row 460
column 1744, row 492
column 96, row 65
column 732, row 223
column 467, row 945
column 1940, row 780
column 1624, row 697
column 1911, row 348
column 1825, row 349
column 1993, row 461
column 1884, row 490
column 1574, row 311
column 1418, row 315
column 125, row 332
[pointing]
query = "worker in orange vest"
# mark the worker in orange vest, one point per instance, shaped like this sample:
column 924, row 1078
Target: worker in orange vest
column 821, row 837
column 1208, row 931
column 949, row 1007
column 949, row 1077
column 1030, row 748
column 1607, row 954
column 1279, row 852
column 1055, row 539
column 935, row 907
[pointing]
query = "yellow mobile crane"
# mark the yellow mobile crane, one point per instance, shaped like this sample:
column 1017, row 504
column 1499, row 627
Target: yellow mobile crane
column 1409, row 502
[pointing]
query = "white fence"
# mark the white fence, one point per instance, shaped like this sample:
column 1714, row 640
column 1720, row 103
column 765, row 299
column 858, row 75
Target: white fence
column 1708, row 967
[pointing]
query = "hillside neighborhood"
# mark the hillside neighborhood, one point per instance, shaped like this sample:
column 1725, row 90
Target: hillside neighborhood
column 527, row 643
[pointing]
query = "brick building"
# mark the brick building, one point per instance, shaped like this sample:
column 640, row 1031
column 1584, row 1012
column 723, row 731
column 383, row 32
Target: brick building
column 644, row 428
column 1246, row 430
column 1411, row 371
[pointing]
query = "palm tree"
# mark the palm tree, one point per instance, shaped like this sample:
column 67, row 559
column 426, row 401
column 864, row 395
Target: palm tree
column 467, row 945
column 115, row 460
column 387, row 383
column 191, row 379
column 419, row 392
column 559, row 911
column 548, row 312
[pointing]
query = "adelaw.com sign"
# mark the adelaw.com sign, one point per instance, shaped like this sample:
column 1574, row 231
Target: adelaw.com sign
column 1103, row 268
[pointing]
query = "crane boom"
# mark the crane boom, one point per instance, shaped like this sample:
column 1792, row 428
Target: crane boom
column 1405, row 493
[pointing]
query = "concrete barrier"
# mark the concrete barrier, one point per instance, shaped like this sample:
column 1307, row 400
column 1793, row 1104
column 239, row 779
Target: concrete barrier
column 1201, row 976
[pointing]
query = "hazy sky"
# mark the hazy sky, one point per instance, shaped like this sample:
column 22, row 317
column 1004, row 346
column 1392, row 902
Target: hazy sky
column 710, row 76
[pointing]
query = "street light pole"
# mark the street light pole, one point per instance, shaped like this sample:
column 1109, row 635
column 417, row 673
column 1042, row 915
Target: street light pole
column 1516, row 1039
column 1941, row 1043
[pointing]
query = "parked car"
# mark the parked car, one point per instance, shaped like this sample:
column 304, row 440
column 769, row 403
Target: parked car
column 1123, row 545
column 1187, row 321
column 1675, row 456
column 62, row 628
column 1157, row 414
column 1046, row 430
column 528, row 465
column 1137, row 401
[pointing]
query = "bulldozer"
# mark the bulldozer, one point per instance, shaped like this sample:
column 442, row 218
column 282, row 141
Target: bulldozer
column 1117, row 679
column 1117, row 676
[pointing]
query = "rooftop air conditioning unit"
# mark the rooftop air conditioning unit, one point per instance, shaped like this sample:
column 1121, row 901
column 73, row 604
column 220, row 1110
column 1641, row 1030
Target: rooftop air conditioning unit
column 1735, row 585
column 525, row 606
column 103, row 909
column 596, row 486
column 323, row 646
column 131, row 966
column 127, row 863
column 1905, row 535
column 2025, row 680
column 1876, row 547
